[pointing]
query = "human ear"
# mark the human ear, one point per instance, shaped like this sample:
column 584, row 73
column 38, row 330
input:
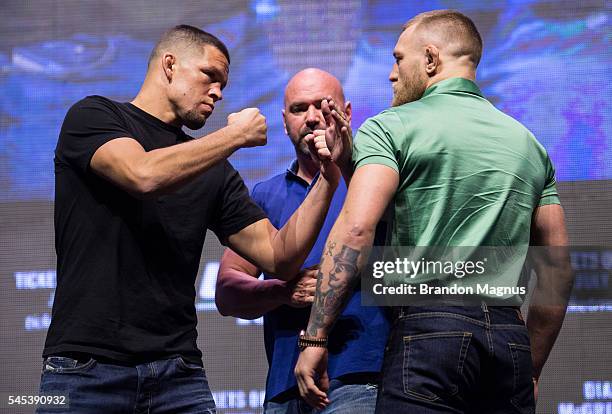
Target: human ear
column 348, row 111
column 168, row 62
column 284, row 122
column 432, row 59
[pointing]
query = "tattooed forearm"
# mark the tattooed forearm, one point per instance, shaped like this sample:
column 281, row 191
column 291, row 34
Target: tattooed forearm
column 316, row 318
column 330, row 299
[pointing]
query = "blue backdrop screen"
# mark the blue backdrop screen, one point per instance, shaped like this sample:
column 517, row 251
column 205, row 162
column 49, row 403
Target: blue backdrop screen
column 548, row 64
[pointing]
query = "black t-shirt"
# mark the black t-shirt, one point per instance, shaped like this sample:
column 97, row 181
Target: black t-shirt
column 126, row 268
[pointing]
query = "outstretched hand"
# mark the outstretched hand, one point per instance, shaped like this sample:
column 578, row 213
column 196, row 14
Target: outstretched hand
column 338, row 134
column 334, row 144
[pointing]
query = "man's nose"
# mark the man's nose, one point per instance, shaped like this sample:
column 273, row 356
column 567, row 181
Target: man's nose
column 393, row 74
column 313, row 117
column 215, row 93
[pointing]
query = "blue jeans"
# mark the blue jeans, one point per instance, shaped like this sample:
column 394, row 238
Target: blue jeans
column 345, row 399
column 165, row 386
column 460, row 360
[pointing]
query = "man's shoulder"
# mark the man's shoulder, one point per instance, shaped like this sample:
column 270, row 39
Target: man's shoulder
column 514, row 125
column 385, row 115
column 398, row 116
column 272, row 184
column 95, row 104
column 96, row 100
column 267, row 193
column 519, row 132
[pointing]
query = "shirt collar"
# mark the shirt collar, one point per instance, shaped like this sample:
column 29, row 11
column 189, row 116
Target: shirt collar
column 292, row 171
column 293, row 167
column 453, row 85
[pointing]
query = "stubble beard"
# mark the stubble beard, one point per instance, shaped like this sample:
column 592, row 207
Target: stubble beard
column 193, row 120
column 300, row 145
column 408, row 89
column 302, row 148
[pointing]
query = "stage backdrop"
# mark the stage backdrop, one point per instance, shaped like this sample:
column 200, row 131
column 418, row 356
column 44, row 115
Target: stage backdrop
column 547, row 63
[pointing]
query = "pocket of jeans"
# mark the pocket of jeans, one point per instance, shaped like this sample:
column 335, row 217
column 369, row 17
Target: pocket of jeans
column 188, row 366
column 433, row 363
column 522, row 388
column 65, row 365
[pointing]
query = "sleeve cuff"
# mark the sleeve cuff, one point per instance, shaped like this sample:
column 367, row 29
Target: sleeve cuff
column 378, row 159
column 223, row 234
column 549, row 199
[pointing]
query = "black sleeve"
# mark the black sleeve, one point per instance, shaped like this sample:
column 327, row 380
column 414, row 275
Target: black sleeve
column 236, row 209
column 89, row 124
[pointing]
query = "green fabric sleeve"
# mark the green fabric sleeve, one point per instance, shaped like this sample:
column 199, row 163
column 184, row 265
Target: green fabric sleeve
column 549, row 193
column 374, row 143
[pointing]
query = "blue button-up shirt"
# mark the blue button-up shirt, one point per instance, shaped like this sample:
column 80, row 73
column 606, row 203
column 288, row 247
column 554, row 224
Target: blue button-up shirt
column 357, row 341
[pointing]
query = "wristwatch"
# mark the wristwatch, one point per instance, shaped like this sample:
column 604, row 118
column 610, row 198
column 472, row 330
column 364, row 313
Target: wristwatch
column 304, row 341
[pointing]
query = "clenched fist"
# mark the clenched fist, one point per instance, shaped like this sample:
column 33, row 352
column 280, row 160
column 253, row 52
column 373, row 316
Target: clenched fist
column 252, row 126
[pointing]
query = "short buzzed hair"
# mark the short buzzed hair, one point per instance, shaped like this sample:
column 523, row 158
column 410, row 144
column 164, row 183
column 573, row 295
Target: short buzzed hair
column 455, row 28
column 189, row 36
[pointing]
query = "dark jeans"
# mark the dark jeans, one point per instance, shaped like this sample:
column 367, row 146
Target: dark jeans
column 474, row 360
column 165, row 386
column 345, row 399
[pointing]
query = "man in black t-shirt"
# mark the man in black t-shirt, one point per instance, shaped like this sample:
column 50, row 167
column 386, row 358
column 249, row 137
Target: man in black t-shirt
column 134, row 196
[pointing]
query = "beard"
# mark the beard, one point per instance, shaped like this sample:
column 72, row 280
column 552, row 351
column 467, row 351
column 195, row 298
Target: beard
column 298, row 142
column 409, row 88
column 193, row 119
column 302, row 148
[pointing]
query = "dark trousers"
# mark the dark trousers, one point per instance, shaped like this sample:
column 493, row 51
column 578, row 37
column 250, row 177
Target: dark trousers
column 460, row 360
column 164, row 386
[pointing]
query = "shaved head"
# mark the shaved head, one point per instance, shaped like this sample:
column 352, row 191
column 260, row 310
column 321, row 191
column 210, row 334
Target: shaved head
column 317, row 78
column 450, row 31
column 302, row 109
